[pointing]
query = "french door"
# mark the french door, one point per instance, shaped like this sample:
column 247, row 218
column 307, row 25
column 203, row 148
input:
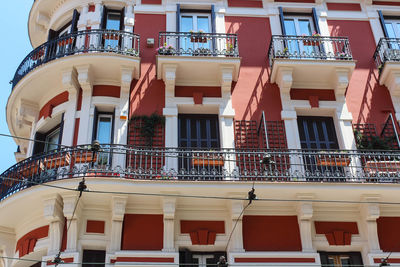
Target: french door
column 318, row 139
column 299, row 26
column 199, row 143
column 393, row 30
column 197, row 24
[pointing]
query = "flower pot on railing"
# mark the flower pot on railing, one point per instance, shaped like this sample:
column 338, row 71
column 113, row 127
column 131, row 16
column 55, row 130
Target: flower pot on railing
column 384, row 166
column 85, row 157
column 57, row 161
column 198, row 38
column 38, row 54
column 66, row 42
column 332, row 160
column 311, row 43
column 110, row 36
column 31, row 168
column 205, row 161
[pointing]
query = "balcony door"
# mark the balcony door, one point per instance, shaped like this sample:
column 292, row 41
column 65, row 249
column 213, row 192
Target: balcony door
column 199, row 143
column 197, row 24
column 317, row 137
column 339, row 259
column 300, row 26
column 392, row 27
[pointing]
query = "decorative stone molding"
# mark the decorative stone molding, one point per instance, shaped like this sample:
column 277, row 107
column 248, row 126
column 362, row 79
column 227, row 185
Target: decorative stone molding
column 85, row 78
column 342, row 81
column 127, row 73
column 285, row 79
column 118, row 205
column 53, row 208
column 169, row 206
column 226, row 78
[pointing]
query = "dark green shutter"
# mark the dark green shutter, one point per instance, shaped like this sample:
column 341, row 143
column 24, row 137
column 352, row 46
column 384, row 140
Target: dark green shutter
column 315, row 19
column 382, row 20
column 282, row 20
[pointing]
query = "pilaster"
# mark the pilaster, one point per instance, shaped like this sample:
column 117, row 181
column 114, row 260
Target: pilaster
column 70, row 84
column 169, row 205
column 370, row 212
column 86, row 83
column 118, row 205
column 304, row 216
column 53, row 212
column 236, row 242
column 73, row 222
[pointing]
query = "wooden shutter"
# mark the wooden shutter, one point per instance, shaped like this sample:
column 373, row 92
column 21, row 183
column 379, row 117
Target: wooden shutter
column 315, row 19
column 74, row 23
column 178, row 17
column 282, row 20
column 382, row 20
column 104, row 18
column 213, row 22
column 38, row 147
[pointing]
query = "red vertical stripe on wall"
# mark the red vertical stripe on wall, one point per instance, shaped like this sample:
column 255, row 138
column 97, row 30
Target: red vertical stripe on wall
column 76, row 132
column 64, row 236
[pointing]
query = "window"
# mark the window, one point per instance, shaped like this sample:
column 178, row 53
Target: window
column 52, row 140
column 94, row 258
column 195, row 22
column 48, row 141
column 198, row 131
column 103, row 132
column 113, row 20
column 199, row 259
column 339, row 259
column 299, row 26
column 317, row 133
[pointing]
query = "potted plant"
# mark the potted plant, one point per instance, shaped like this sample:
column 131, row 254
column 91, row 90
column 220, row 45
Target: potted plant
column 313, row 41
column 385, row 162
column 283, row 54
column 208, row 160
column 198, row 37
column 332, row 158
column 342, row 55
column 202, row 51
column 166, row 50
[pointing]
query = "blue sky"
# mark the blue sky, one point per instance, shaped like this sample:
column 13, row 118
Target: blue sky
column 14, row 46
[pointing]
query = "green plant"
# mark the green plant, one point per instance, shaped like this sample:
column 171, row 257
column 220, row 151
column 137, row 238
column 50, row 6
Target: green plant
column 148, row 126
column 373, row 142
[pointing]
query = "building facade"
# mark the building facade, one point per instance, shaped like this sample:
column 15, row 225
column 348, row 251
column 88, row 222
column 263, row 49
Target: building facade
column 193, row 104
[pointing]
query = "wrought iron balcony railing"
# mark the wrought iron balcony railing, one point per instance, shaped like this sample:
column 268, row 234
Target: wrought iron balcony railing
column 309, row 47
column 90, row 41
column 198, row 44
column 174, row 164
column 388, row 49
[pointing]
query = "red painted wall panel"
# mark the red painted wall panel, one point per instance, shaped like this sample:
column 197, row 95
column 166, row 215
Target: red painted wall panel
column 344, row 6
column 304, row 94
column 79, row 102
column 386, row 3
column 389, row 233
column 142, row 232
column 47, row 109
column 187, row 91
column 26, row 243
column 95, row 227
column 245, row 3
column 142, row 259
column 271, row 233
column 148, row 93
column 76, row 132
column 296, row 1
column 327, row 227
column 365, row 98
column 106, row 90
column 191, row 226
column 253, row 93
column 271, row 260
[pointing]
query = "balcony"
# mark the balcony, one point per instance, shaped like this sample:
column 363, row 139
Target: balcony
column 180, row 164
column 84, row 43
column 314, row 62
column 387, row 60
column 210, row 54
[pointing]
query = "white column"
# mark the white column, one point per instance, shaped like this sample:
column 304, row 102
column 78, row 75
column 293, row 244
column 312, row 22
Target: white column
column 304, row 216
column 169, row 204
column 369, row 214
column 85, row 127
column 118, row 206
column 73, row 222
column 27, row 117
column 53, row 212
column 70, row 84
column 236, row 242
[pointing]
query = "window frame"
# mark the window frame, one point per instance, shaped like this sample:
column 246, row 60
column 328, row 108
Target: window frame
column 195, row 15
column 97, row 121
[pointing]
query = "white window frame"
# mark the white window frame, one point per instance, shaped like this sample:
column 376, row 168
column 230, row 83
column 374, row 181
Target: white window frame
column 194, row 16
column 49, row 136
column 99, row 116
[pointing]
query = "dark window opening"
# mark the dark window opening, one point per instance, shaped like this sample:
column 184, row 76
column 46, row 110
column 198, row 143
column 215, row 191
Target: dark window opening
column 93, row 258
column 341, row 259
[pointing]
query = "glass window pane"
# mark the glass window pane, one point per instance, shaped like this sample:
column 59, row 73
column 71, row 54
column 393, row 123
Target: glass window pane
column 113, row 21
column 104, row 130
column 290, row 27
column 186, row 24
column 52, row 140
column 203, row 24
column 390, row 30
column 305, row 27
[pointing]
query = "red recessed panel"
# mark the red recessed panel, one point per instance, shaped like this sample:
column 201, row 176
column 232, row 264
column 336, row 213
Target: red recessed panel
column 92, row 8
column 95, row 227
column 330, row 227
column 390, row 260
column 188, row 91
column 245, row 3
column 389, row 233
column 106, row 90
column 191, row 226
column 295, row 1
column 142, row 259
column 386, row 3
column 271, row 233
column 151, row 2
column 277, row 260
column 344, row 6
column 304, row 94
column 142, row 232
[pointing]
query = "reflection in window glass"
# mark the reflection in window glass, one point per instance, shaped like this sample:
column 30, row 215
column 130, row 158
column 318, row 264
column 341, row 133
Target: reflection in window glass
column 52, row 140
column 203, row 24
column 113, row 21
column 187, row 24
column 305, row 27
column 104, row 129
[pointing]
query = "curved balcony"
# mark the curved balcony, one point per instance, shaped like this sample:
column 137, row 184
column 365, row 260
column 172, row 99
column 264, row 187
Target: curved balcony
column 208, row 53
column 319, row 62
column 83, row 42
column 182, row 164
